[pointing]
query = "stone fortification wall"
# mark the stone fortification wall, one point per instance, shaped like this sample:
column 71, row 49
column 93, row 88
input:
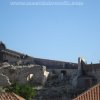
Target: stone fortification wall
column 68, row 72
column 94, row 70
column 34, row 74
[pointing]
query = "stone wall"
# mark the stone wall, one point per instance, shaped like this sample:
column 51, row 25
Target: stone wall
column 69, row 72
column 4, row 80
column 93, row 70
column 33, row 74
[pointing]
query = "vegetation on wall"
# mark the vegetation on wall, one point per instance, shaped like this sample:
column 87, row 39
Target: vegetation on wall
column 26, row 91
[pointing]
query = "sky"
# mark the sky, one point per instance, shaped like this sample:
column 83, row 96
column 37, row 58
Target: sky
column 57, row 32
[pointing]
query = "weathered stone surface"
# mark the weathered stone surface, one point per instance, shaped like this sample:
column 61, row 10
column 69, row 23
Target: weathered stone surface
column 4, row 80
column 32, row 74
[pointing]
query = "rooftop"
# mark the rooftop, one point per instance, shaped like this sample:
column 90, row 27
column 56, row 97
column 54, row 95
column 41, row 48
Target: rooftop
column 10, row 96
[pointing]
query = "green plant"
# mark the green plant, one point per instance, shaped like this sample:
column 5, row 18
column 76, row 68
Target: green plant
column 25, row 91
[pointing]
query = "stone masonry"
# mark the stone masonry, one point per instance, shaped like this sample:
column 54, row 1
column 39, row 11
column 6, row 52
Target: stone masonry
column 32, row 74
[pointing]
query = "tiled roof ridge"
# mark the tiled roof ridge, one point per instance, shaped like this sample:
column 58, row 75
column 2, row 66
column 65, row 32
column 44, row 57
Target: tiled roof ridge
column 89, row 91
column 10, row 96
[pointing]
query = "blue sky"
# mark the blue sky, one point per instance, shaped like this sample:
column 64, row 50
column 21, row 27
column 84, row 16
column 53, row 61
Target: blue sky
column 53, row 32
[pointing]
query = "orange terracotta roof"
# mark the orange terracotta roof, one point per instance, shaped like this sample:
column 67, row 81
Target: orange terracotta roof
column 91, row 94
column 10, row 96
